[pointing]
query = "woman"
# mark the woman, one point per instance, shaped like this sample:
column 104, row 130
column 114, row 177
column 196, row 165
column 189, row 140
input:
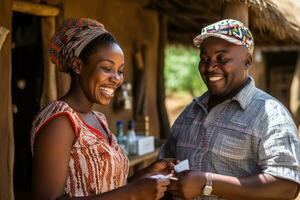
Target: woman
column 74, row 153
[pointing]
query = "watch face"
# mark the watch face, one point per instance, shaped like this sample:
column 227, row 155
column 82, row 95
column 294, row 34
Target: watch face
column 207, row 190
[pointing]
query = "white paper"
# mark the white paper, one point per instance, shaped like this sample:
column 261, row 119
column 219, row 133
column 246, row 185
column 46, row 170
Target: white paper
column 160, row 176
column 183, row 165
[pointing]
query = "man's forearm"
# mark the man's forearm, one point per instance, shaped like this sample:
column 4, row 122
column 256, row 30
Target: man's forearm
column 259, row 187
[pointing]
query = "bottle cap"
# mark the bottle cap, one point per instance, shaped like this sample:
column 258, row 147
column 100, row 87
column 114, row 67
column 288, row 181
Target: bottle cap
column 130, row 124
column 120, row 123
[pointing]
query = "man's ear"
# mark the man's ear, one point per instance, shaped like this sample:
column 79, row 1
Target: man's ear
column 248, row 61
column 76, row 65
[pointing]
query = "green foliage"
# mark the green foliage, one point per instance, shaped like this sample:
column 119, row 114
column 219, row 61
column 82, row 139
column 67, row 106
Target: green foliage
column 181, row 70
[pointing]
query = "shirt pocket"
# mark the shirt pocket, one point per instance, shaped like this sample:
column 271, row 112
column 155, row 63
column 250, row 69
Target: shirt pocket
column 230, row 147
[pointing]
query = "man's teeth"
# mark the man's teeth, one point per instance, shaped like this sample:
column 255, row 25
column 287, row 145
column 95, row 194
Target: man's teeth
column 215, row 78
column 107, row 91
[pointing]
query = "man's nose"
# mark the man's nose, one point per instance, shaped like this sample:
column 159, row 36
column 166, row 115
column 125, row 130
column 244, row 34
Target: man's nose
column 211, row 66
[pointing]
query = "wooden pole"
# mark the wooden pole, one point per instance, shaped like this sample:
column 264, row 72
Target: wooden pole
column 49, row 82
column 162, row 112
column 35, row 9
column 6, row 118
column 236, row 10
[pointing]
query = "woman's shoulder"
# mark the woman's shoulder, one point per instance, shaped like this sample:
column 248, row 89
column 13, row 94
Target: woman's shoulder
column 54, row 107
column 51, row 111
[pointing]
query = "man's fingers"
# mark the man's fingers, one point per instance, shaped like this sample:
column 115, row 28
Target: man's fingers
column 172, row 186
column 176, row 193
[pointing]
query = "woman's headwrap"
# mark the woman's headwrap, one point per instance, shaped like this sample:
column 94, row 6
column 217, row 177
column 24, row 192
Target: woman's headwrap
column 71, row 39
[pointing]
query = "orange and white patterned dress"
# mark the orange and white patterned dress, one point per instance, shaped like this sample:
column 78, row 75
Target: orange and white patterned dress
column 95, row 166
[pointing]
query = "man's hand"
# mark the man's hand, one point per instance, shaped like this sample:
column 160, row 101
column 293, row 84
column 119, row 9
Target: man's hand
column 148, row 188
column 189, row 184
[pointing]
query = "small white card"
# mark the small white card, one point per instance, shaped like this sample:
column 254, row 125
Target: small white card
column 160, row 176
column 183, row 165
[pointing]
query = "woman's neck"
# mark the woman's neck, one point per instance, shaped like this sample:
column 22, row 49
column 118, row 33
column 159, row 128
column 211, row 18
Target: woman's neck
column 77, row 99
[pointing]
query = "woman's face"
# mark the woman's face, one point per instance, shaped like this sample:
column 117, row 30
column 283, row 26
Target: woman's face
column 103, row 73
column 223, row 66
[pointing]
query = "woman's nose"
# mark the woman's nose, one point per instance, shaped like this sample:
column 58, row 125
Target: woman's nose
column 116, row 77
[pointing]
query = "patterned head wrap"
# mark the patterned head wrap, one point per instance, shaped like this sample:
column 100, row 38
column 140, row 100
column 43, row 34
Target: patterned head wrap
column 230, row 30
column 70, row 40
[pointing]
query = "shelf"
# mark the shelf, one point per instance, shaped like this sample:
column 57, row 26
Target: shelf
column 134, row 160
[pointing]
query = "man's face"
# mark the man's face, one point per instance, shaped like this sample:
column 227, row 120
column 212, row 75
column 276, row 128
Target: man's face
column 223, row 66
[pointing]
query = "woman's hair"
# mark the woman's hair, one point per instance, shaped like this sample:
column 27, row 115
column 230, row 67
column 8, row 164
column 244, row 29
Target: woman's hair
column 102, row 40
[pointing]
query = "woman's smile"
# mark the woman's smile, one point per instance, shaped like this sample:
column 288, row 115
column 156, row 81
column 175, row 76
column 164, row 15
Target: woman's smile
column 107, row 91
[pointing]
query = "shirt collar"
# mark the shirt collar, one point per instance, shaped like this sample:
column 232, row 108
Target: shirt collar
column 243, row 97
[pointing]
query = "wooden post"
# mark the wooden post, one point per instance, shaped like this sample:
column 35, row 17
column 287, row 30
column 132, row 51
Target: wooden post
column 49, row 83
column 161, row 107
column 6, row 119
column 236, row 10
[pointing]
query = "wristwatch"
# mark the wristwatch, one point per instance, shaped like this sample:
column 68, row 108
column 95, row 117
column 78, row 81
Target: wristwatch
column 206, row 191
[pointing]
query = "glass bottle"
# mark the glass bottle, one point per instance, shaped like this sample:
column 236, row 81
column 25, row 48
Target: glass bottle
column 131, row 139
column 121, row 138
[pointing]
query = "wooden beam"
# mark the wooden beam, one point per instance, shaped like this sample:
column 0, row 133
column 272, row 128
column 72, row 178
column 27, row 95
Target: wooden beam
column 35, row 9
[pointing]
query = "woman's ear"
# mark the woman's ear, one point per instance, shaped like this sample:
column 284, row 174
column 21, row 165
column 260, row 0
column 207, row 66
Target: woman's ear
column 76, row 65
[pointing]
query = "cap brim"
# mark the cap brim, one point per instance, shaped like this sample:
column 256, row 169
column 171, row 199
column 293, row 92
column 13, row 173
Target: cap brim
column 200, row 38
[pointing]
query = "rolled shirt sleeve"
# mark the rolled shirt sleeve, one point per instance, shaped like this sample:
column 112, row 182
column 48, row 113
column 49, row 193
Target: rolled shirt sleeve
column 279, row 148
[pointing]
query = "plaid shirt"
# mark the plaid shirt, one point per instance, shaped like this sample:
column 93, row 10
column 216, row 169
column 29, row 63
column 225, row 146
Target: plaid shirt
column 250, row 133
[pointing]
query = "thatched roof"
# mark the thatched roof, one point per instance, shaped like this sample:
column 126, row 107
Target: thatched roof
column 272, row 22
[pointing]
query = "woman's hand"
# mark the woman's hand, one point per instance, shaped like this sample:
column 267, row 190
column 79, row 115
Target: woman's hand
column 147, row 188
column 162, row 166
column 158, row 167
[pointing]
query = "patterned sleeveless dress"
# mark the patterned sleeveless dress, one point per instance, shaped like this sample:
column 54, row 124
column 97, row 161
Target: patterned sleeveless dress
column 95, row 166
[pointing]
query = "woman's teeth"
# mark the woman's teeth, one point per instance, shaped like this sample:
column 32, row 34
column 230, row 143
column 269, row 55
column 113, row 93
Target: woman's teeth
column 107, row 91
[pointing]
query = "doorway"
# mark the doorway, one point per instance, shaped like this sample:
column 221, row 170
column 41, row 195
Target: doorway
column 27, row 76
column 280, row 71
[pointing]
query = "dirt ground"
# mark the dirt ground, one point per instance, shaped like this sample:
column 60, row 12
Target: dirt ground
column 175, row 103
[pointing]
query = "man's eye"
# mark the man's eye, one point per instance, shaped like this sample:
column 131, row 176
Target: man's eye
column 223, row 60
column 204, row 60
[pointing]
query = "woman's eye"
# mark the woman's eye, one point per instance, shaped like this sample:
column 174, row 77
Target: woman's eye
column 106, row 69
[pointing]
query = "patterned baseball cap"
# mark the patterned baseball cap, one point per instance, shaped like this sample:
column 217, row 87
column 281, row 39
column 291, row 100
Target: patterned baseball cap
column 231, row 30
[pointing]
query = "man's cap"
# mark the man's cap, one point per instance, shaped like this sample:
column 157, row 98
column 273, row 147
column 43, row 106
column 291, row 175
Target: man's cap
column 231, row 30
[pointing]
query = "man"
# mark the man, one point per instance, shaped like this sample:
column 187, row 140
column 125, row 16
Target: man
column 241, row 143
